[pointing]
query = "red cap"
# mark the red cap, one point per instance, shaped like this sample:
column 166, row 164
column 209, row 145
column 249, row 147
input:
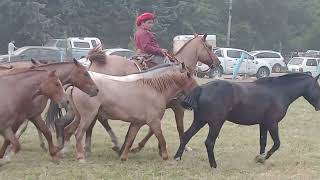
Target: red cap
column 144, row 17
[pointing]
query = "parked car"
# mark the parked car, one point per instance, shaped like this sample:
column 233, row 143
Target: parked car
column 312, row 53
column 127, row 53
column 74, row 47
column 304, row 64
column 274, row 59
column 228, row 58
column 34, row 52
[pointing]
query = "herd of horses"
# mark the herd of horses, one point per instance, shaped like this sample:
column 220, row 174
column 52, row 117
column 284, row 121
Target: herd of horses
column 113, row 88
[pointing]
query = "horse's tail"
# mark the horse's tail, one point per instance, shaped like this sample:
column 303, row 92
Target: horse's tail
column 191, row 100
column 53, row 113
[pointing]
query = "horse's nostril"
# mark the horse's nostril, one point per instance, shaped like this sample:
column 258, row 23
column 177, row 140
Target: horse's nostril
column 97, row 90
column 68, row 102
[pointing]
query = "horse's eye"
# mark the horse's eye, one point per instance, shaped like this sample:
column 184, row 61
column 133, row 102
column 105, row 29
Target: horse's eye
column 57, row 84
column 86, row 74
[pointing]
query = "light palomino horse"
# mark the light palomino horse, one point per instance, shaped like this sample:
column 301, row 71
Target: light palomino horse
column 69, row 73
column 196, row 49
column 17, row 90
column 154, row 88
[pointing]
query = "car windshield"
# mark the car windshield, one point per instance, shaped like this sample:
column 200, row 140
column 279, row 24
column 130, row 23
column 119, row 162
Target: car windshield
column 296, row 61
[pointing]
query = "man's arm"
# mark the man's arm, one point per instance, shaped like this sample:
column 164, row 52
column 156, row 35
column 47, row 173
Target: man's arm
column 147, row 45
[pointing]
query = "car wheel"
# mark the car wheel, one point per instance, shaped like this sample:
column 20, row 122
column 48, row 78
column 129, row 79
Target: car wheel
column 277, row 68
column 215, row 72
column 262, row 72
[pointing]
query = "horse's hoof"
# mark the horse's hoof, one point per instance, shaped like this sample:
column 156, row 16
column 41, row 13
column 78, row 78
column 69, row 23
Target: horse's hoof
column 82, row 160
column 116, row 149
column 56, row 159
column 177, row 158
column 165, row 157
column 135, row 150
column 260, row 159
column 88, row 153
column 124, row 158
column 187, row 148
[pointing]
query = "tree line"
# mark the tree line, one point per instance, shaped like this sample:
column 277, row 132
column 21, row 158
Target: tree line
column 287, row 25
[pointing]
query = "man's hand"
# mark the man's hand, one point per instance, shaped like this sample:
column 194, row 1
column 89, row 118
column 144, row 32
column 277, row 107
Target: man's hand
column 164, row 52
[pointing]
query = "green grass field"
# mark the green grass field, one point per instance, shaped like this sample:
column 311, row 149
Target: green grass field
column 236, row 147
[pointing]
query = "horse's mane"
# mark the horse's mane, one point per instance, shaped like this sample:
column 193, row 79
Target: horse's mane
column 97, row 55
column 164, row 81
column 282, row 79
column 185, row 44
column 17, row 71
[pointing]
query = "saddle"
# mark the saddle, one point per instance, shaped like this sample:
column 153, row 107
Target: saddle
column 145, row 61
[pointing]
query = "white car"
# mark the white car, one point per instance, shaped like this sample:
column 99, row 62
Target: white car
column 229, row 57
column 304, row 64
column 127, row 53
column 274, row 59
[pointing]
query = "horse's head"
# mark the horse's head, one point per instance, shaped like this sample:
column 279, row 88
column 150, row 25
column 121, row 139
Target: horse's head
column 205, row 53
column 80, row 78
column 312, row 94
column 53, row 89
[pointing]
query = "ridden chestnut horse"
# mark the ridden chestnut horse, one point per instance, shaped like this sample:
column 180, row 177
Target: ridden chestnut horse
column 119, row 99
column 18, row 89
column 196, row 49
column 69, row 73
column 264, row 102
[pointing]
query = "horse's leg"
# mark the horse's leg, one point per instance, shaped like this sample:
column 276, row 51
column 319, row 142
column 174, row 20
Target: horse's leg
column 71, row 128
column 114, row 139
column 87, row 146
column 40, row 124
column 85, row 121
column 179, row 114
column 142, row 143
column 20, row 131
column 155, row 126
column 10, row 136
column 194, row 128
column 41, row 140
column 263, row 142
column 131, row 135
column 214, row 130
column 274, row 133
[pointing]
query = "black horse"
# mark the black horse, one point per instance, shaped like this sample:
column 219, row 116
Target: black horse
column 264, row 102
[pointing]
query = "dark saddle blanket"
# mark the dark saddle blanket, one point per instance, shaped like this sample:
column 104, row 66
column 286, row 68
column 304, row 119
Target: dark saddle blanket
column 145, row 61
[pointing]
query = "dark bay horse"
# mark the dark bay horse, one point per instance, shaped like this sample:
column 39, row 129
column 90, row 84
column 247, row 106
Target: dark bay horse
column 264, row 102
column 17, row 90
column 69, row 73
column 119, row 99
column 196, row 49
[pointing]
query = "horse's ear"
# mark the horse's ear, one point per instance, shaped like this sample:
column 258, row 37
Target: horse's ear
column 52, row 73
column 195, row 34
column 204, row 37
column 75, row 61
column 317, row 77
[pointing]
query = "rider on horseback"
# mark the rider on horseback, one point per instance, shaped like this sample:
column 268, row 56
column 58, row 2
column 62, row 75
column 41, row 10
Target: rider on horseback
column 146, row 42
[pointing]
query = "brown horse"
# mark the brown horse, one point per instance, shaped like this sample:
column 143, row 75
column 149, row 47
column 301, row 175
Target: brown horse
column 17, row 90
column 69, row 73
column 196, row 49
column 154, row 88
